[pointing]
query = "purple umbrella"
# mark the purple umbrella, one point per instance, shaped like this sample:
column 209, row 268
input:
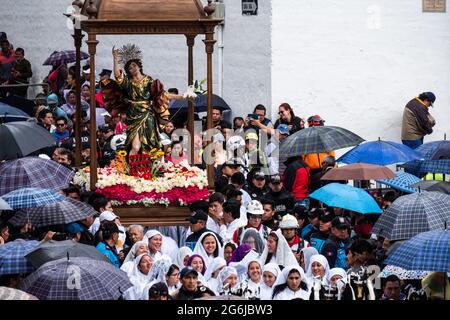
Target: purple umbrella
column 66, row 56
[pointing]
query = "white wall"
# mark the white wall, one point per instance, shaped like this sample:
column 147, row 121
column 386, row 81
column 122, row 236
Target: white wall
column 40, row 28
column 358, row 62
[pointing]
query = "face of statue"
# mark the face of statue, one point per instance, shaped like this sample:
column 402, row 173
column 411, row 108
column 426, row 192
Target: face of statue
column 133, row 69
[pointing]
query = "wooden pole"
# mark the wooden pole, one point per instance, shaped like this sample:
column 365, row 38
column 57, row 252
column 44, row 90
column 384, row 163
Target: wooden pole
column 78, row 36
column 190, row 40
column 92, row 44
column 209, row 44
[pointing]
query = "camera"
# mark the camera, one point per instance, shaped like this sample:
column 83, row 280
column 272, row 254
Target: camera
column 60, row 236
column 253, row 116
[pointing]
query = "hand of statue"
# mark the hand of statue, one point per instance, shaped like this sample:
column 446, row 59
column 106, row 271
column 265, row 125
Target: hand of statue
column 115, row 53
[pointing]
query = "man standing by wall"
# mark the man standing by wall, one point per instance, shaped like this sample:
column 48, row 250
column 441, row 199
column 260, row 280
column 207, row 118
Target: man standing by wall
column 417, row 121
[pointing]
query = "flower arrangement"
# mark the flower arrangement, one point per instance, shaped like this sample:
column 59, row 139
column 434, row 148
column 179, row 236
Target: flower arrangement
column 180, row 184
column 146, row 166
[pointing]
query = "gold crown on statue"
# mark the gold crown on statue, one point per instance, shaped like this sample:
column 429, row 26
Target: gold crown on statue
column 129, row 52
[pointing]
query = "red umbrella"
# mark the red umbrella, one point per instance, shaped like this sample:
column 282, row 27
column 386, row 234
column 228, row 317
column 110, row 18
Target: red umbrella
column 359, row 171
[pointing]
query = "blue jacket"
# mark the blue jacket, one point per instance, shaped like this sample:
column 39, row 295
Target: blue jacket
column 109, row 253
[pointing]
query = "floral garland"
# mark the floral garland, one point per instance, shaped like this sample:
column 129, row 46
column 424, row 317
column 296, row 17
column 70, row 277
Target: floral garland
column 179, row 183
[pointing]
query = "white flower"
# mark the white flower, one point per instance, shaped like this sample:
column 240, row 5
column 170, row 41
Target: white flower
column 190, row 93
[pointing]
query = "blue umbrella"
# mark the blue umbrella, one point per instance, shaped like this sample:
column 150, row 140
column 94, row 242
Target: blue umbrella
column 435, row 150
column 9, row 114
column 347, row 197
column 402, row 182
column 380, row 152
column 428, row 251
column 200, row 103
column 31, row 197
column 12, row 257
column 420, row 168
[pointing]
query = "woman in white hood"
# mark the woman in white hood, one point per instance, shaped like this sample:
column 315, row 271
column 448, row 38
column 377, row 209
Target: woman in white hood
column 271, row 271
column 251, row 286
column 139, row 276
column 209, row 247
column 159, row 273
column 292, row 284
column 318, row 269
column 277, row 251
column 212, row 273
column 137, row 249
column 228, row 281
column 155, row 240
column 182, row 257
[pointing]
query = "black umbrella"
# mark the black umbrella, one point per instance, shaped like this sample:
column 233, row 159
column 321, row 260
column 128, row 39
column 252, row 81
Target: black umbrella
column 19, row 139
column 200, row 103
column 10, row 114
column 21, row 103
column 433, row 185
column 54, row 250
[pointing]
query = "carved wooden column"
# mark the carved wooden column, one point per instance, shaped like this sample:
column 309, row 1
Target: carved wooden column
column 190, row 41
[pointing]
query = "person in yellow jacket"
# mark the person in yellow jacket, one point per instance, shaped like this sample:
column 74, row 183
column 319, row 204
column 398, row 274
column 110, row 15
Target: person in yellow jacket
column 315, row 160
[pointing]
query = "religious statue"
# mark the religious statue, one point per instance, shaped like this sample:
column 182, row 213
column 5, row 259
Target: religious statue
column 147, row 102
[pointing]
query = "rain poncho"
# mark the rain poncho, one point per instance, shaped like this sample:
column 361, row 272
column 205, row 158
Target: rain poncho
column 181, row 254
column 213, row 283
column 138, row 279
column 283, row 256
column 255, row 234
column 266, row 291
column 287, row 293
column 242, row 265
column 224, row 274
column 200, row 250
column 307, row 254
column 157, row 274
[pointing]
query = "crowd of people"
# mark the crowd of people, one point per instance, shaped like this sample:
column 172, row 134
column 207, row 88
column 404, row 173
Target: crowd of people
column 259, row 236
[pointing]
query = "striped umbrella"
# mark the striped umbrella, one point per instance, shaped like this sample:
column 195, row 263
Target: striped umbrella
column 12, row 256
column 402, row 182
column 412, row 214
column 427, row 251
column 318, row 139
column 31, row 198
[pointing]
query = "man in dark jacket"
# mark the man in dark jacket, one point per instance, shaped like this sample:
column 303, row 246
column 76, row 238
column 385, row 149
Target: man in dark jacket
column 335, row 246
column 198, row 226
column 21, row 72
column 318, row 239
column 284, row 200
column 296, row 180
column 417, row 121
column 108, row 154
column 190, row 289
column 257, row 189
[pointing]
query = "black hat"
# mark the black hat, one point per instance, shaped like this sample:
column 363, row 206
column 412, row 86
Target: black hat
column 326, row 217
column 340, row 223
column 86, row 68
column 198, row 215
column 314, row 213
column 106, row 127
column 276, row 178
column 187, row 270
column 158, row 289
column 258, row 175
column 105, row 72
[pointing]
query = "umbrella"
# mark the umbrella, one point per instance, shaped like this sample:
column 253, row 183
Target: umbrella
column 403, row 274
column 62, row 212
column 200, row 103
column 433, row 185
column 54, row 250
column 4, row 205
column 31, row 197
column 403, row 182
column 21, row 103
column 22, row 138
column 318, row 139
column 428, row 251
column 421, row 167
column 67, row 56
column 412, row 214
column 14, row 294
column 77, row 278
column 380, row 152
column 435, row 150
column 9, row 114
column 359, row 171
column 12, row 256
column 33, row 172
column 347, row 197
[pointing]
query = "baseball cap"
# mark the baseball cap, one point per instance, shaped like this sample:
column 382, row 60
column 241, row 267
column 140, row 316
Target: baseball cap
column 258, row 175
column 314, row 213
column 105, row 72
column 340, row 223
column 106, row 127
column 158, row 289
column 251, row 136
column 198, row 215
column 276, row 178
column 187, row 270
column 326, row 217
column 108, row 216
column 284, row 129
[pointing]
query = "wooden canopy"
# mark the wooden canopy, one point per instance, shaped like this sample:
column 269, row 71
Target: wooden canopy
column 184, row 17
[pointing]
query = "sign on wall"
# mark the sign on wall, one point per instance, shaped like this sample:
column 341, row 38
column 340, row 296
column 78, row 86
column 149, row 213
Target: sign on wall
column 433, row 5
column 250, row 7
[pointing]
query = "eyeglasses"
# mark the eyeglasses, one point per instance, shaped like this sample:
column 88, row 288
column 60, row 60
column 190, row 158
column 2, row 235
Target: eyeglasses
column 60, row 124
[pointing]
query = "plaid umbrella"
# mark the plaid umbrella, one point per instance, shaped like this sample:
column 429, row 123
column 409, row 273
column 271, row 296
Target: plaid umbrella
column 21, row 138
column 421, row 168
column 67, row 56
column 433, row 185
column 402, row 182
column 359, row 171
column 14, row 294
column 403, row 274
column 33, row 172
column 12, row 257
column 31, row 197
column 54, row 250
column 4, row 205
column 428, row 251
column 412, row 214
column 77, row 279
column 435, row 150
column 347, row 197
column 318, row 139
column 62, row 212
column 381, row 153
